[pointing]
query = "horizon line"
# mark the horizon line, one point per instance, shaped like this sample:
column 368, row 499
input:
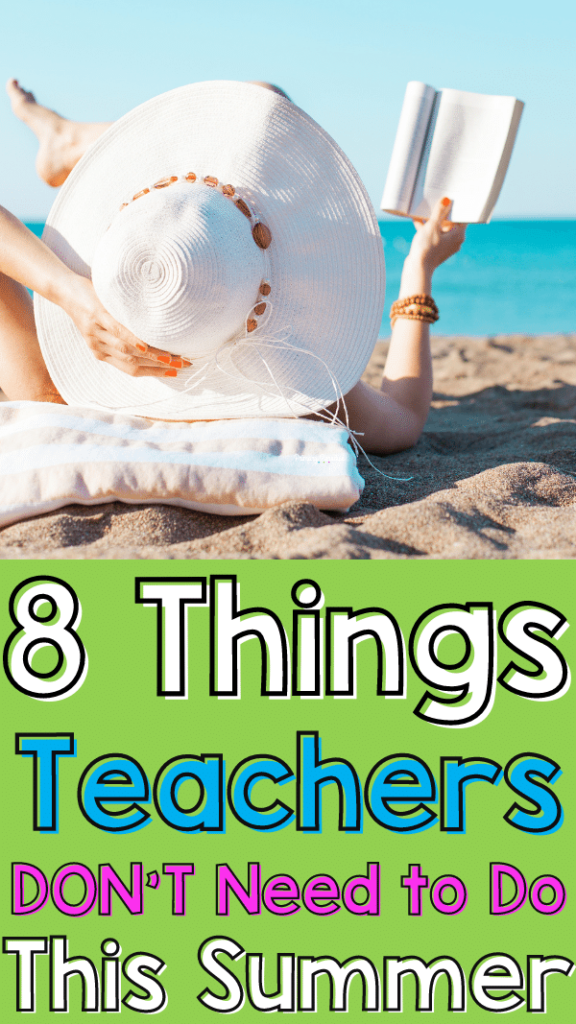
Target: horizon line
column 388, row 217
column 391, row 218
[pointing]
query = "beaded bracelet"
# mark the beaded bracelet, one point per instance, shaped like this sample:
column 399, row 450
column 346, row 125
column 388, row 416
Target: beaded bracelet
column 416, row 307
column 426, row 299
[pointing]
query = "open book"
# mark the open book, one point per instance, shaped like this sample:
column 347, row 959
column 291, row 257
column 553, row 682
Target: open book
column 450, row 143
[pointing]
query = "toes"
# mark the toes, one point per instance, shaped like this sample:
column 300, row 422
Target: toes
column 17, row 93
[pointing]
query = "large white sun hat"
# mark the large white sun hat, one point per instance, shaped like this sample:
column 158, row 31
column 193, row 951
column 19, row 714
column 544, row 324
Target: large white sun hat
column 219, row 222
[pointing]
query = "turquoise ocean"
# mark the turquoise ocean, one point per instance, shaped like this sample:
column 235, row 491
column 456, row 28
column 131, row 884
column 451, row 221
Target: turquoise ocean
column 510, row 277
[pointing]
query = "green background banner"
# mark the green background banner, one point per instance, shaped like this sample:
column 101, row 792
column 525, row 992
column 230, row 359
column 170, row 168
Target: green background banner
column 117, row 710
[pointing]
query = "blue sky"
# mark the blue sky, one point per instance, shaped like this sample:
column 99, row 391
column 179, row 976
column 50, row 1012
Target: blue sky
column 345, row 62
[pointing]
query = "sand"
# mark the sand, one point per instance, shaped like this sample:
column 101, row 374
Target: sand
column 493, row 476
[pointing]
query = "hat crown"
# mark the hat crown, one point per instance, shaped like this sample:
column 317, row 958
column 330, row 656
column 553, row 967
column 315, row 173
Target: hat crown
column 180, row 269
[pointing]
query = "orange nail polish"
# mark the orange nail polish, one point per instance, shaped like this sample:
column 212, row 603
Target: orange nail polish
column 164, row 359
column 177, row 362
column 445, row 202
column 141, row 348
column 170, row 373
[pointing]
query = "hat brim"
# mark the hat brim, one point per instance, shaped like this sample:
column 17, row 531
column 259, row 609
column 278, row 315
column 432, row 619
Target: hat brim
column 326, row 262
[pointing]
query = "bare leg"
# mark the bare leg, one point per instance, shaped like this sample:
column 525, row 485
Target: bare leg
column 62, row 142
column 23, row 373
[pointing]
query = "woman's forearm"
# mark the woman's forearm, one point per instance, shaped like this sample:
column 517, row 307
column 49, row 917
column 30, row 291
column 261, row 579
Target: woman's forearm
column 393, row 418
column 26, row 259
column 408, row 373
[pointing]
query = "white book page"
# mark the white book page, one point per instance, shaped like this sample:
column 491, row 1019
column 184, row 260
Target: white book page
column 469, row 133
column 408, row 147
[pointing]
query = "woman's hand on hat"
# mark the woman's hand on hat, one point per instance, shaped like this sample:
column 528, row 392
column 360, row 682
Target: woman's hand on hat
column 112, row 343
column 437, row 238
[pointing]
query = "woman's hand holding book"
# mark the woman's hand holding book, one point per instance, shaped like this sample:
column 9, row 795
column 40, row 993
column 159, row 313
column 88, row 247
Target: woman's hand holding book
column 437, row 238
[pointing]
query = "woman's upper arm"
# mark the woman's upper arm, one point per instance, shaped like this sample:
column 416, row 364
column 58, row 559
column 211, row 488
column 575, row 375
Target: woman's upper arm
column 382, row 424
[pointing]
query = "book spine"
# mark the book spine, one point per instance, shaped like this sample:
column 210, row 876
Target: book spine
column 410, row 139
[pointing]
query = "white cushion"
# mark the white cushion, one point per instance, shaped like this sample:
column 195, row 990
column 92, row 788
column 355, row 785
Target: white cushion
column 56, row 455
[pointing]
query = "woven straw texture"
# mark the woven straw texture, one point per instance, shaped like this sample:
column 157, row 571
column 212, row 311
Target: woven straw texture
column 180, row 268
column 325, row 264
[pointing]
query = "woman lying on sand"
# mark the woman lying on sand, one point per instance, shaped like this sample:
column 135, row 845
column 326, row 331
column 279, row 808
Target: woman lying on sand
column 390, row 419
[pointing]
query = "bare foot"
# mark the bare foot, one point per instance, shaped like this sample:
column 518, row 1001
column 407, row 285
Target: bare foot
column 62, row 142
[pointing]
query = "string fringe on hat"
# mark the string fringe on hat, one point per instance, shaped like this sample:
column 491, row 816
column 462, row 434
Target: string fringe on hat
column 280, row 342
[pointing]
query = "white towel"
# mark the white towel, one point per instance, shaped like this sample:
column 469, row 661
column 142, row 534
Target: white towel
column 56, row 455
